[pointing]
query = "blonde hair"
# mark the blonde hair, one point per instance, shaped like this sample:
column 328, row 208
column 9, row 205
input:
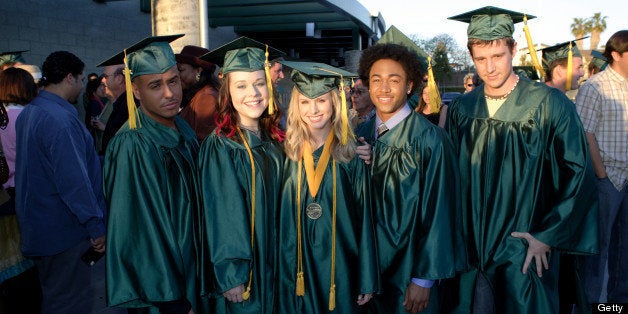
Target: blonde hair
column 297, row 131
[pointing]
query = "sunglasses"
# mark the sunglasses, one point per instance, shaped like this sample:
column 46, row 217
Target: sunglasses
column 470, row 85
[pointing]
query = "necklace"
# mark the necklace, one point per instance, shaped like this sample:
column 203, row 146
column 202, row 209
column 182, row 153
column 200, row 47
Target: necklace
column 256, row 132
column 503, row 97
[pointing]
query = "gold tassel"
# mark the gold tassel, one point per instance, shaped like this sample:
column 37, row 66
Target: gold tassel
column 569, row 67
column 332, row 298
column 344, row 115
column 434, row 95
column 535, row 58
column 130, row 101
column 269, row 82
column 246, row 294
column 300, row 284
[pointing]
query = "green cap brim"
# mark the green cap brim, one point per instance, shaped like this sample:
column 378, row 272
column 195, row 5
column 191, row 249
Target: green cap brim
column 490, row 23
column 220, row 57
column 314, row 79
column 559, row 51
column 12, row 56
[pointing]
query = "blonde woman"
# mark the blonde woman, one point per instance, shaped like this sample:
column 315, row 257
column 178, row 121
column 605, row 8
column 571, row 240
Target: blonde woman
column 327, row 254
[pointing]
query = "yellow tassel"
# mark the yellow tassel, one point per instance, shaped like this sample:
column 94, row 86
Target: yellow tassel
column 246, row 294
column 344, row 114
column 269, row 82
column 332, row 297
column 130, row 101
column 434, row 95
column 300, row 284
column 535, row 58
column 569, row 67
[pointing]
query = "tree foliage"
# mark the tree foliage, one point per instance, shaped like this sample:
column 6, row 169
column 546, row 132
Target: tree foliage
column 440, row 64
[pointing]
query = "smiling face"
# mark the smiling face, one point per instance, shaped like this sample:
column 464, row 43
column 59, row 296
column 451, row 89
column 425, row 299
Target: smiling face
column 494, row 65
column 388, row 87
column 249, row 95
column 159, row 95
column 316, row 113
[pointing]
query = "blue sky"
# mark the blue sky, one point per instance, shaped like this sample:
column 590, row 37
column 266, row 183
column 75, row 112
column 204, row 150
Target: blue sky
column 552, row 25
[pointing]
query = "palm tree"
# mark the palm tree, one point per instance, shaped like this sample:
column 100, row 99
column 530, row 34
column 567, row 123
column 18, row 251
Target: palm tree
column 598, row 25
column 580, row 28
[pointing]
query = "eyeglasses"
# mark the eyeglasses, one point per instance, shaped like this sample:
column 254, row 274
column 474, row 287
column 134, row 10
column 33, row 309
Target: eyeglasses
column 358, row 92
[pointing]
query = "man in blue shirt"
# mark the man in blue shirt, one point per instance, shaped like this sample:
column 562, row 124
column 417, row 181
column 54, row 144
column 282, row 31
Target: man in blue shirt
column 59, row 200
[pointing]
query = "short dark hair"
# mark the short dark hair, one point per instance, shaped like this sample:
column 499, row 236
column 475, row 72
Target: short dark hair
column 618, row 43
column 58, row 65
column 17, row 86
column 408, row 59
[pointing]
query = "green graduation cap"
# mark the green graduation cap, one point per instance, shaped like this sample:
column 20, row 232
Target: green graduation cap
column 314, row 79
column 490, row 23
column 12, row 56
column 526, row 71
column 242, row 54
column 394, row 36
column 599, row 59
column 152, row 55
column 560, row 51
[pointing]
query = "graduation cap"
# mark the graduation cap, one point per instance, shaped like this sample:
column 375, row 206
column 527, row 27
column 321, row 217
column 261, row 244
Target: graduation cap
column 242, row 54
column 314, row 79
column 490, row 23
column 395, row 36
column 560, row 51
column 12, row 56
column 526, row 71
column 248, row 55
column 151, row 55
column 599, row 59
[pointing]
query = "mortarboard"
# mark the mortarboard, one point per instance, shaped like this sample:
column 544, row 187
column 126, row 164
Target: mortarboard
column 314, row 79
column 395, row 36
column 599, row 59
column 242, row 54
column 490, row 23
column 12, row 56
column 560, row 51
column 151, row 55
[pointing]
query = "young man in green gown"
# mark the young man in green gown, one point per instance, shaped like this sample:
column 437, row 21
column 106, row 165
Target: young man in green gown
column 526, row 178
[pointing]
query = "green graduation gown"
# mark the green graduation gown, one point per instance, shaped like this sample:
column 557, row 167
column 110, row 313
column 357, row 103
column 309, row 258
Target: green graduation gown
column 526, row 169
column 356, row 256
column 225, row 184
column 149, row 181
column 415, row 186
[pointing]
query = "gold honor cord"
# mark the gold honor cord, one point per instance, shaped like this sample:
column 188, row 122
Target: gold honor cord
column 432, row 89
column 533, row 56
column 130, row 101
column 269, row 82
column 569, row 67
column 300, row 281
column 247, row 293
column 315, row 177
